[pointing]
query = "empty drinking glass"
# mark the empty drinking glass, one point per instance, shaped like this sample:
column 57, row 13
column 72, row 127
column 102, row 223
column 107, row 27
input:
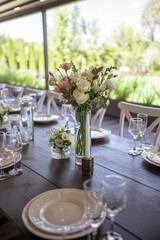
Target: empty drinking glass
column 94, row 213
column 134, row 129
column 114, row 199
column 13, row 145
column 3, row 175
column 144, row 118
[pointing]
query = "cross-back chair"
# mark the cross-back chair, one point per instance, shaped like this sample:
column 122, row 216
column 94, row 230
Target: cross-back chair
column 97, row 119
column 40, row 96
column 51, row 96
column 128, row 108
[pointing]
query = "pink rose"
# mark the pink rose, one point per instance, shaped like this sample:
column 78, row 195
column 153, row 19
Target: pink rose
column 65, row 79
column 57, row 89
column 83, row 74
column 64, row 84
column 52, row 81
column 66, row 66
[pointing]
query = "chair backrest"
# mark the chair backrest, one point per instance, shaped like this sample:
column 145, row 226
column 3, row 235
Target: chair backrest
column 128, row 108
column 51, row 96
column 15, row 92
column 2, row 85
column 97, row 119
column 40, row 95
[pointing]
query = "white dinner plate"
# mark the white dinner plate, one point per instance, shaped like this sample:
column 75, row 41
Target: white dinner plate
column 152, row 156
column 60, row 211
column 45, row 118
column 97, row 133
column 33, row 229
column 8, row 160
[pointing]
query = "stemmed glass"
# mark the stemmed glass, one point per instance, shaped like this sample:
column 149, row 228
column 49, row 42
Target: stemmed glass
column 134, row 129
column 94, row 213
column 3, row 175
column 114, row 199
column 13, row 145
column 67, row 113
column 144, row 118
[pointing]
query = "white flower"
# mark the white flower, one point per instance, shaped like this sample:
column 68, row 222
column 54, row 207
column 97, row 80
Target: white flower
column 2, row 110
column 80, row 97
column 74, row 77
column 65, row 136
column 83, row 85
column 59, row 142
column 110, row 85
column 98, row 88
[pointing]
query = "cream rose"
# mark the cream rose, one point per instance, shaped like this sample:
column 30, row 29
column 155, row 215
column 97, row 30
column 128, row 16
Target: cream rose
column 65, row 136
column 83, row 85
column 59, row 142
column 110, row 85
column 2, row 110
column 80, row 96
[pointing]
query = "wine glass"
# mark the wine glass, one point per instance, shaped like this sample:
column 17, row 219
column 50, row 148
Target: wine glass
column 3, row 175
column 67, row 112
column 114, row 200
column 134, row 129
column 144, row 118
column 94, row 213
column 13, row 145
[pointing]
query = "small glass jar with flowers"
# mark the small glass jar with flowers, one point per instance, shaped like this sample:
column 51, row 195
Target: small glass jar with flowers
column 61, row 141
column 3, row 116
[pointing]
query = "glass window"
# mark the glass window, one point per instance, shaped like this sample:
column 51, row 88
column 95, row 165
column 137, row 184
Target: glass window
column 21, row 51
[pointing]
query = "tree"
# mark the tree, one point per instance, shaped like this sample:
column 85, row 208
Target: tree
column 32, row 58
column 151, row 17
column 41, row 60
column 11, row 54
column 22, row 55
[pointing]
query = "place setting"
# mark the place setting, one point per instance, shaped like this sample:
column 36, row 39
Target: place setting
column 69, row 213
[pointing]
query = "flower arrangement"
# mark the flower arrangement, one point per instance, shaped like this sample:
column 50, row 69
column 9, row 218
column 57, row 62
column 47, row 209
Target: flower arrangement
column 84, row 90
column 60, row 138
column 3, row 110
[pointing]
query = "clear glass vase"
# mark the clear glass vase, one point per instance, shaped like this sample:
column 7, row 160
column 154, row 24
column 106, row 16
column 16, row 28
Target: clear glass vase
column 61, row 152
column 82, row 136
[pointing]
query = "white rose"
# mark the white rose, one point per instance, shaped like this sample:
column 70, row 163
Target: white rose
column 74, row 77
column 83, row 85
column 59, row 142
column 65, row 136
column 80, row 96
column 110, row 85
column 98, row 89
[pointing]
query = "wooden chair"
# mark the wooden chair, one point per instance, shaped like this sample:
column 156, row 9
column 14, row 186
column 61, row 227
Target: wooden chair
column 40, row 97
column 51, row 96
column 97, row 119
column 126, row 108
column 15, row 92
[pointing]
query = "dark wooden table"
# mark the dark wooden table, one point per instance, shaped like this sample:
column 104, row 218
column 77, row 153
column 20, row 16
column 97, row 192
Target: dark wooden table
column 140, row 219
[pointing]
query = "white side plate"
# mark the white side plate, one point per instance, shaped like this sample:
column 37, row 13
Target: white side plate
column 97, row 133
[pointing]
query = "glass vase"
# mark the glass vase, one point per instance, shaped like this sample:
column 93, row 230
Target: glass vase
column 82, row 136
column 60, row 152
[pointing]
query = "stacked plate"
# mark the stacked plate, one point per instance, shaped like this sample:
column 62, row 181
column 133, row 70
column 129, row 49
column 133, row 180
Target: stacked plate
column 8, row 159
column 152, row 156
column 58, row 213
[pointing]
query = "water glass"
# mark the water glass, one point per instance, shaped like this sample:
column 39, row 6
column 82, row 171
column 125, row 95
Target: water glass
column 114, row 199
column 3, row 175
column 15, row 122
column 67, row 112
column 144, row 118
column 13, row 145
column 134, row 129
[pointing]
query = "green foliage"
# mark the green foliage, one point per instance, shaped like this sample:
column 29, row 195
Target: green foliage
column 32, row 58
column 22, row 55
column 11, row 54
